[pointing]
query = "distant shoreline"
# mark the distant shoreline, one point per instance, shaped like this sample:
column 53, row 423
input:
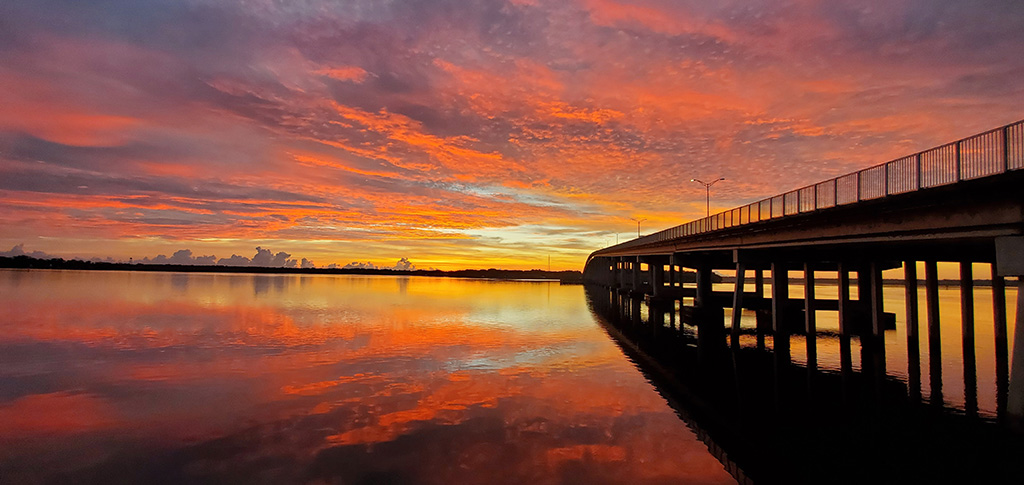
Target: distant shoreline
column 26, row 262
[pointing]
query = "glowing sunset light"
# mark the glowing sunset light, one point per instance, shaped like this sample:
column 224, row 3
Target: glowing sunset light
column 462, row 134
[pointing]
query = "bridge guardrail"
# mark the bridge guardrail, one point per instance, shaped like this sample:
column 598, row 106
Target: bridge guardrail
column 989, row 153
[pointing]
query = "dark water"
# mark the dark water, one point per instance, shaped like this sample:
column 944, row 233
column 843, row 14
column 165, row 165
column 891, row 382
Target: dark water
column 863, row 414
column 209, row 378
column 897, row 357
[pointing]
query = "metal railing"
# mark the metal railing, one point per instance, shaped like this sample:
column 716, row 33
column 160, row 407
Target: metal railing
column 992, row 152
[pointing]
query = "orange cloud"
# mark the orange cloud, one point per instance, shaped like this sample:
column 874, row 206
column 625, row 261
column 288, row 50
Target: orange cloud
column 56, row 413
column 346, row 73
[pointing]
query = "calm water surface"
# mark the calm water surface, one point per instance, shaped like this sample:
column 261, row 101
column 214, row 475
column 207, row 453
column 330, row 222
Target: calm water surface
column 146, row 377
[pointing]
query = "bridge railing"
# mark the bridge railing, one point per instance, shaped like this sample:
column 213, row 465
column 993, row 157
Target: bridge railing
column 993, row 152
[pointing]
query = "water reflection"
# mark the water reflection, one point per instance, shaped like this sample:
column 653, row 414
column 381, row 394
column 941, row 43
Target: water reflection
column 850, row 418
column 171, row 378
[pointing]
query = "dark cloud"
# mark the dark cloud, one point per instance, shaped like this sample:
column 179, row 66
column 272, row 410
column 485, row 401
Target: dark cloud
column 264, row 258
column 181, row 256
column 19, row 250
column 403, row 264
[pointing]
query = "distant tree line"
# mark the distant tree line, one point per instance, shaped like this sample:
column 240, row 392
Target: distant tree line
column 28, row 262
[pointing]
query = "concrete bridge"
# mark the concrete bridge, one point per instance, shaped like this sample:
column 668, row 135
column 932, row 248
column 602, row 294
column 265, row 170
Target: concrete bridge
column 962, row 202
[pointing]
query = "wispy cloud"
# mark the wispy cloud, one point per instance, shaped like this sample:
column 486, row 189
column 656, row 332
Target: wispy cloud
column 136, row 127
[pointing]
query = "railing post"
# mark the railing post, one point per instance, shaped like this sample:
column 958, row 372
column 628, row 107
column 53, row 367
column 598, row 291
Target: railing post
column 885, row 179
column 858, row 186
column 956, row 160
column 918, row 158
column 835, row 192
column 1006, row 149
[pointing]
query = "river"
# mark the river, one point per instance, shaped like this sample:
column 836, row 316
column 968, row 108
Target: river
column 134, row 377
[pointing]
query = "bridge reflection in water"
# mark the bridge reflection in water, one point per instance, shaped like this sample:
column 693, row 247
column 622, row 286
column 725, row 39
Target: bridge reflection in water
column 771, row 418
column 791, row 420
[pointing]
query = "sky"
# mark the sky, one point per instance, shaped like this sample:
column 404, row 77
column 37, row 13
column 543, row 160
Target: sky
column 459, row 133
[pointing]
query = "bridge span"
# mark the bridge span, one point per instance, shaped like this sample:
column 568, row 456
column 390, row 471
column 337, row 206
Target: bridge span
column 961, row 203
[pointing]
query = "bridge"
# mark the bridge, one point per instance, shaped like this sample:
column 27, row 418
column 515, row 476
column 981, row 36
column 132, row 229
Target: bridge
column 962, row 203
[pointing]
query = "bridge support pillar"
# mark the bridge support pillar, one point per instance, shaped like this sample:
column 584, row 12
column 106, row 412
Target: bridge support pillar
column 703, row 297
column 710, row 317
column 780, row 327
column 1010, row 262
column 999, row 332
column 877, row 305
column 759, row 284
column 737, row 305
column 1015, row 400
column 622, row 273
column 874, row 344
column 635, row 264
column 844, row 299
column 810, row 320
column 780, row 296
column 967, row 338
column 657, row 267
column 610, row 274
column 913, row 339
column 931, row 289
column 618, row 271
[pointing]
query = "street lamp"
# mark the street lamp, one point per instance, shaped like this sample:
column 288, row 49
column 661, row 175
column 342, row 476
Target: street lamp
column 707, row 192
column 638, row 221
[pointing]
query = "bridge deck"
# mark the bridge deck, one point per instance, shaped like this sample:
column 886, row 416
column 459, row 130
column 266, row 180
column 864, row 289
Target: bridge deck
column 946, row 223
column 948, row 201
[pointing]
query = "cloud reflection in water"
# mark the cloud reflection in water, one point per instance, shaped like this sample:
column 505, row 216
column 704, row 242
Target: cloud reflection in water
column 171, row 378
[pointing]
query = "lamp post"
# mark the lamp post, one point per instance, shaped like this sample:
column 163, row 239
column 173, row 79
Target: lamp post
column 638, row 221
column 707, row 192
